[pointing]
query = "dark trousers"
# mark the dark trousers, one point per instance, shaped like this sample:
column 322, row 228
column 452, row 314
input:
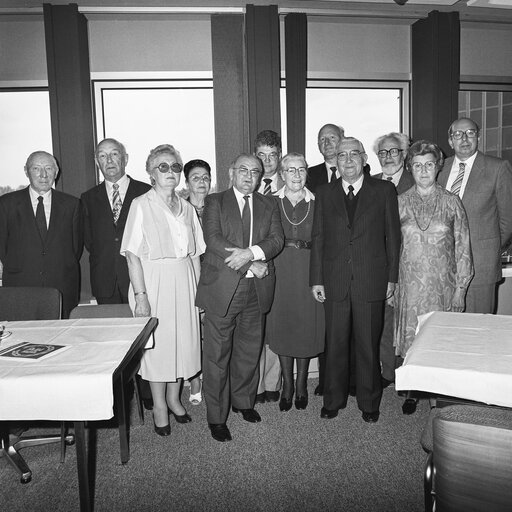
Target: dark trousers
column 361, row 321
column 231, row 352
column 387, row 350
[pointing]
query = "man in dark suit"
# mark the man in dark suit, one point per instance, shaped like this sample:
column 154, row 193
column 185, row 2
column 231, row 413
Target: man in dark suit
column 105, row 210
column 243, row 232
column 41, row 233
column 329, row 137
column 267, row 147
column 391, row 150
column 484, row 183
column 354, row 268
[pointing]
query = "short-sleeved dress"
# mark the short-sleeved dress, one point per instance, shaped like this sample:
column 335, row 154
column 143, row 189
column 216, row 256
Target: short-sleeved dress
column 435, row 258
column 167, row 244
column 295, row 324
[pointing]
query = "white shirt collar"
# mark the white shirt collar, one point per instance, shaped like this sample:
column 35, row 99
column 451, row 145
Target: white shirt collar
column 123, row 183
column 47, row 196
column 395, row 177
column 308, row 197
column 469, row 162
column 357, row 185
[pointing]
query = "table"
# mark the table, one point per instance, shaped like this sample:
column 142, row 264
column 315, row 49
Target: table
column 463, row 355
column 80, row 383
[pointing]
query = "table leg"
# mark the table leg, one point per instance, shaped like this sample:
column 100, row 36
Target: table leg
column 83, row 467
column 121, row 414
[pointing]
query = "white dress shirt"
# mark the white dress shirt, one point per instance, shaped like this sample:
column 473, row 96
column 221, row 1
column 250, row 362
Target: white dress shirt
column 47, row 203
column 454, row 172
column 357, row 185
column 273, row 185
column 123, row 183
column 395, row 178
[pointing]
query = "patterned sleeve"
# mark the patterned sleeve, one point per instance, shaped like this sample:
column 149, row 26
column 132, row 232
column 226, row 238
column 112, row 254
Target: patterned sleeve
column 463, row 255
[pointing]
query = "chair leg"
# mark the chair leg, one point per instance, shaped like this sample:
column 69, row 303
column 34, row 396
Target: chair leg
column 138, row 399
column 428, row 483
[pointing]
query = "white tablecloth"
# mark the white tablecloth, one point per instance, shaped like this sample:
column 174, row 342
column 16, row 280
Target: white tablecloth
column 74, row 385
column 462, row 355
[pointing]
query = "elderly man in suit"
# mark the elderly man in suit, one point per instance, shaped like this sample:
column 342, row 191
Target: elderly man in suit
column 329, row 137
column 243, row 232
column 105, row 209
column 41, row 233
column 267, row 147
column 484, row 183
column 353, row 269
column 391, row 150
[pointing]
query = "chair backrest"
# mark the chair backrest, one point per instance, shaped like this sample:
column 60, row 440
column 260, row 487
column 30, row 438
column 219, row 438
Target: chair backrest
column 102, row 311
column 30, row 303
column 473, row 459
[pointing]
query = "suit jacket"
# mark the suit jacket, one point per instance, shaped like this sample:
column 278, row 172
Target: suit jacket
column 487, row 200
column 363, row 257
column 103, row 238
column 317, row 175
column 405, row 182
column 222, row 227
column 30, row 261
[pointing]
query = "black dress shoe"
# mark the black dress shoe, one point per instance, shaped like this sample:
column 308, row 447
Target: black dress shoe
column 285, row 404
column 148, row 404
column 163, row 431
column 385, row 382
column 328, row 413
column 409, row 406
column 301, row 402
column 184, row 418
column 220, row 432
column 261, row 398
column 249, row 415
column 272, row 396
column 371, row 417
column 319, row 390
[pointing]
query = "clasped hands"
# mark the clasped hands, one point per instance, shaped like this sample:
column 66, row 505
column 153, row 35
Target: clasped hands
column 240, row 257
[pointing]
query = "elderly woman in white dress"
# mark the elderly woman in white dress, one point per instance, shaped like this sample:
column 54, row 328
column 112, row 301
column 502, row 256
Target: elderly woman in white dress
column 162, row 243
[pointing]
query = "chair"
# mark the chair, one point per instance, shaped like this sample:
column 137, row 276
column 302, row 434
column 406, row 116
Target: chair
column 112, row 311
column 30, row 303
column 470, row 466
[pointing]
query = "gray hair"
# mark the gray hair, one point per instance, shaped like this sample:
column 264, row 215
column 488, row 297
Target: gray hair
column 424, row 147
column 120, row 145
column 161, row 149
column 283, row 162
column 353, row 139
column 40, row 153
column 402, row 140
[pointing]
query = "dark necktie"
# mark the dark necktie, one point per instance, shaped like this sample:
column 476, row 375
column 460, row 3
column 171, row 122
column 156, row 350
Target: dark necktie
column 41, row 218
column 246, row 222
column 350, row 192
column 267, row 190
column 333, row 174
column 457, row 184
column 117, row 204
column 389, row 178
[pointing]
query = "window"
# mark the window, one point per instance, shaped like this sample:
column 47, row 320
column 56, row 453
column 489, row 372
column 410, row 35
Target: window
column 25, row 127
column 144, row 114
column 366, row 110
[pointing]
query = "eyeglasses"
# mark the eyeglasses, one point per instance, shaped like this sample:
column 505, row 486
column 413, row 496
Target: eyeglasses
column 470, row 134
column 197, row 179
column 343, row 155
column 269, row 156
column 113, row 155
column 295, row 170
column 394, row 152
column 429, row 166
column 164, row 167
column 253, row 173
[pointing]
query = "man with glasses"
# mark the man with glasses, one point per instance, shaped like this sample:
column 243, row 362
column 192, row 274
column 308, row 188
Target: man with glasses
column 484, row 183
column 267, row 147
column 391, row 150
column 242, row 231
column 353, row 269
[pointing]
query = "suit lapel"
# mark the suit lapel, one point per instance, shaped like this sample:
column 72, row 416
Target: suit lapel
column 26, row 211
column 338, row 197
column 233, row 214
column 365, row 198
column 128, row 198
column 55, row 214
column 474, row 176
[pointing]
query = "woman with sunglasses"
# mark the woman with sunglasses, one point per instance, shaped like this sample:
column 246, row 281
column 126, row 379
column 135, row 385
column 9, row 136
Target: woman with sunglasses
column 162, row 243
column 436, row 265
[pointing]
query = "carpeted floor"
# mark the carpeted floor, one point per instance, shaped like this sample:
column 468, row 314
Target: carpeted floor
column 290, row 461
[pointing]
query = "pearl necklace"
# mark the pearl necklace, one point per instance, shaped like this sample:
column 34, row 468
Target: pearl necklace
column 298, row 223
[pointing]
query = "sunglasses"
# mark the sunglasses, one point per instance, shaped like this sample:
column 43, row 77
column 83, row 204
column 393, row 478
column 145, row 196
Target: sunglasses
column 164, row 167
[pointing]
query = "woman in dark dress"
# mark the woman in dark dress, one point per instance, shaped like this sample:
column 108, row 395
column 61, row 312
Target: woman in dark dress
column 295, row 324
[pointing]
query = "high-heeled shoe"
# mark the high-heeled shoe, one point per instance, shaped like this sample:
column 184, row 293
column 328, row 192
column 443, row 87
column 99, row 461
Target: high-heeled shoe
column 301, row 402
column 184, row 418
column 163, row 431
column 285, row 404
column 196, row 398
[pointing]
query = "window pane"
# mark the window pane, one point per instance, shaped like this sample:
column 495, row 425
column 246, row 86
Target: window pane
column 24, row 127
column 144, row 118
column 364, row 113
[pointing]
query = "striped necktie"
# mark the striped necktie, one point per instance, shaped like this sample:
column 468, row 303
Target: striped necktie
column 116, row 202
column 267, row 190
column 457, row 184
